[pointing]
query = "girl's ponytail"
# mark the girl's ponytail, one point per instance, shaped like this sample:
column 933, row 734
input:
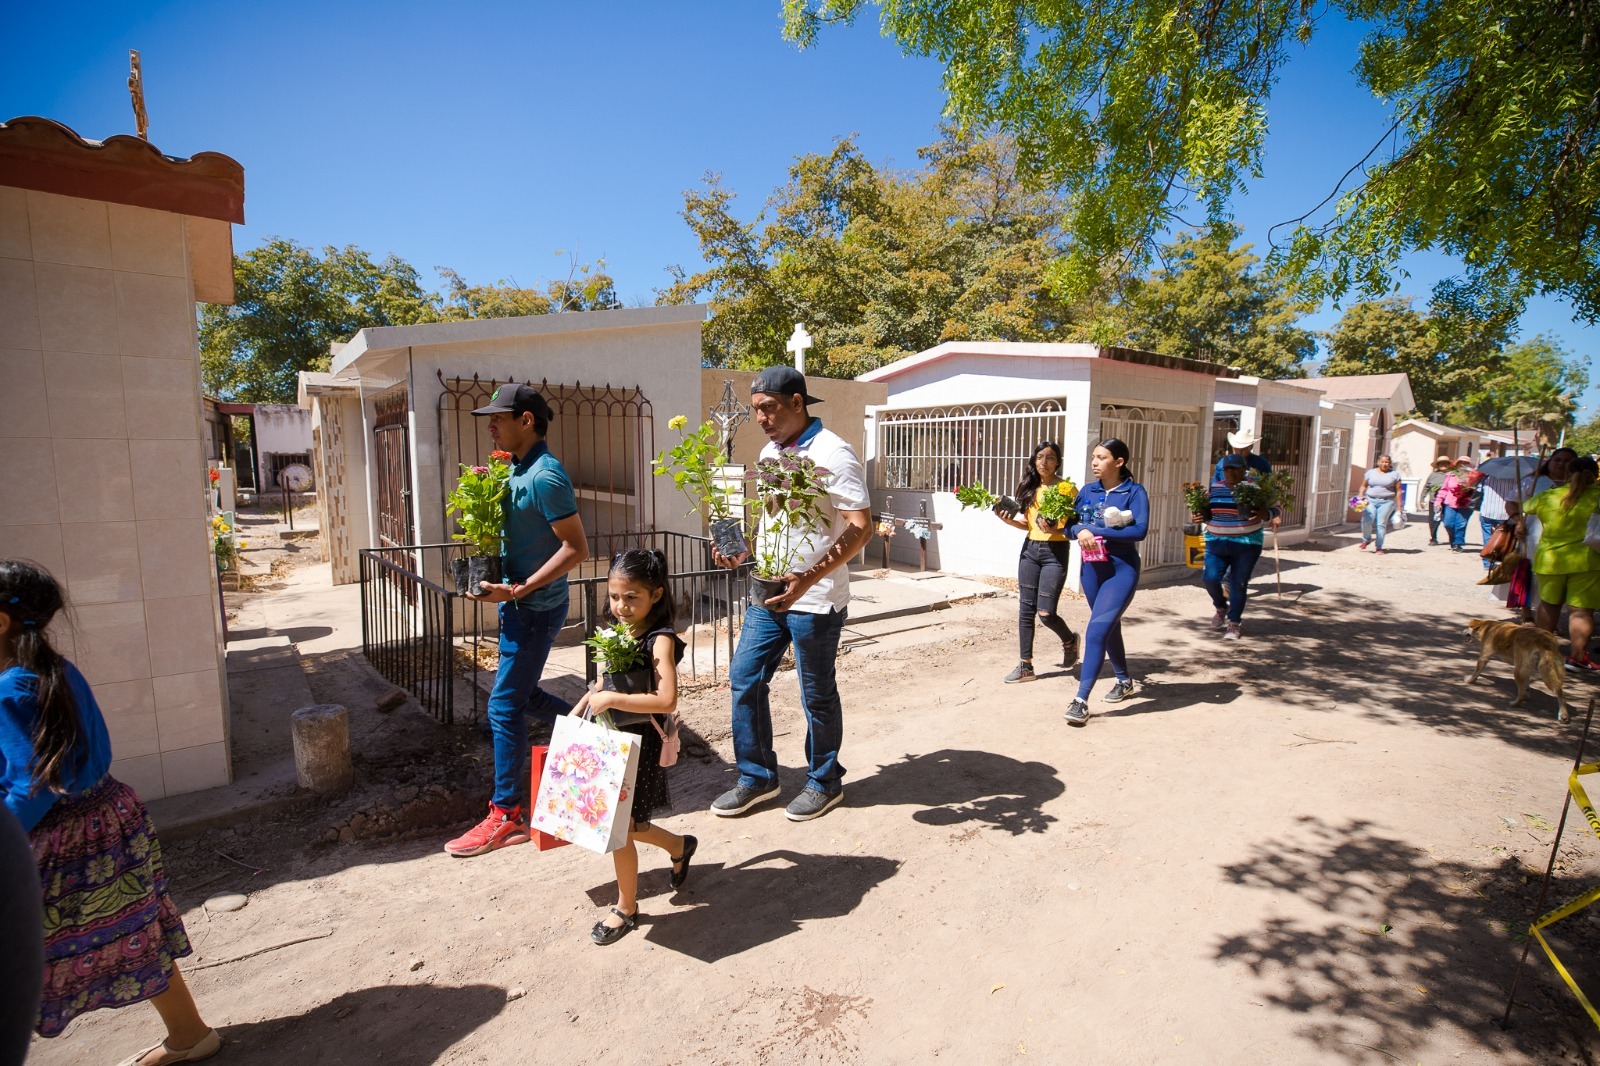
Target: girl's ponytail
column 32, row 598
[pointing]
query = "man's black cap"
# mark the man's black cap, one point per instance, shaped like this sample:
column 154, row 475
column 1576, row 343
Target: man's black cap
column 781, row 381
column 517, row 399
column 1233, row 459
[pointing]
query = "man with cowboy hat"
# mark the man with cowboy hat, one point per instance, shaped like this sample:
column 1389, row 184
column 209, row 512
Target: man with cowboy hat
column 1430, row 491
column 1242, row 442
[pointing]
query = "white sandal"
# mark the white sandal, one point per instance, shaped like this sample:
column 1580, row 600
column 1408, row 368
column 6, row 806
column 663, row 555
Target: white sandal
column 204, row 1048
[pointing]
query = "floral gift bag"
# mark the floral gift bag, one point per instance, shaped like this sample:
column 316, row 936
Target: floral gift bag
column 586, row 791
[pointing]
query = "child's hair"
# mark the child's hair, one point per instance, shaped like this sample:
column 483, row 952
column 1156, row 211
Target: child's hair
column 1030, row 473
column 1118, row 450
column 32, row 598
column 647, row 567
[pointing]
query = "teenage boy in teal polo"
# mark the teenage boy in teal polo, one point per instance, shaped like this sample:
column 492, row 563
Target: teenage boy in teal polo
column 544, row 539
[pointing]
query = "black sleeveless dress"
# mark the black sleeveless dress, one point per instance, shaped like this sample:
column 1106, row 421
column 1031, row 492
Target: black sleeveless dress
column 650, row 794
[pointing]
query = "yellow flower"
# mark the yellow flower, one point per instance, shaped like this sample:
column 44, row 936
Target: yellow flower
column 244, row 544
column 678, row 422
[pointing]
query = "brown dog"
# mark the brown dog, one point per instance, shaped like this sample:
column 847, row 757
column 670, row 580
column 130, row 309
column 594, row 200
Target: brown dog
column 1531, row 652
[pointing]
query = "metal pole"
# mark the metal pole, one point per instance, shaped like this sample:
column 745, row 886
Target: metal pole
column 1544, row 886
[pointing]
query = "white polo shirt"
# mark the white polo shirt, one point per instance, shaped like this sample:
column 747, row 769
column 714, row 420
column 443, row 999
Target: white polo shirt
column 847, row 491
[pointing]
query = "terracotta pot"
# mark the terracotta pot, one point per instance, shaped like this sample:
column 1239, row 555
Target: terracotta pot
column 632, row 682
column 469, row 571
column 727, row 537
column 762, row 590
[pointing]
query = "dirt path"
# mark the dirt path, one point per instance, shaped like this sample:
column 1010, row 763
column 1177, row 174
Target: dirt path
column 1307, row 847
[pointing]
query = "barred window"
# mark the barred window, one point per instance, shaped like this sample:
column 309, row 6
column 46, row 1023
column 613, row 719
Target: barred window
column 938, row 449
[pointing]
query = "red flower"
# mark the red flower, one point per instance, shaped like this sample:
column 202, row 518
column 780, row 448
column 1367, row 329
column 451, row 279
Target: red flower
column 504, row 457
column 216, row 475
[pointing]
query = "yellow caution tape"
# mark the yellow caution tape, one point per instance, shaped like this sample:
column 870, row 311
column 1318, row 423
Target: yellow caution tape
column 1567, row 910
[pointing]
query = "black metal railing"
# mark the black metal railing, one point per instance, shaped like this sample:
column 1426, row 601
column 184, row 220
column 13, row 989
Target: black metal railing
column 417, row 632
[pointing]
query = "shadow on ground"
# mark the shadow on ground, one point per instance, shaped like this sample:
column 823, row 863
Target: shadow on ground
column 1406, row 944
column 954, row 786
column 762, row 899
column 387, row 1023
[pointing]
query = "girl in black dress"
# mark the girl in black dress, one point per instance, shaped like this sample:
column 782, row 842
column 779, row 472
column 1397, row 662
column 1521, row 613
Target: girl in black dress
column 637, row 596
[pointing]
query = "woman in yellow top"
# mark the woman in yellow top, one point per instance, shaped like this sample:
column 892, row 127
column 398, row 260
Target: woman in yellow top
column 1042, row 566
column 1568, row 571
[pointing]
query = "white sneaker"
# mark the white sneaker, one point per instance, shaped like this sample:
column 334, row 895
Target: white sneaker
column 1233, row 631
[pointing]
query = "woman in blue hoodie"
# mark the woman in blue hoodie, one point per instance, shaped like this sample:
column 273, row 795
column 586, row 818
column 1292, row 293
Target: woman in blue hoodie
column 1108, row 585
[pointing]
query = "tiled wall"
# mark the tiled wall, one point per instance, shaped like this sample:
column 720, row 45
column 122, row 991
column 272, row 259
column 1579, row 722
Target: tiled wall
column 101, row 471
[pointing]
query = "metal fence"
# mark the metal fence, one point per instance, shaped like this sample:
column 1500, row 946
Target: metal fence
column 940, row 449
column 1164, row 447
column 1332, row 491
column 418, row 633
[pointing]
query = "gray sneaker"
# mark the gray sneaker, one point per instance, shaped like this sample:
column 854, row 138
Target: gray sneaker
column 812, row 803
column 741, row 798
column 1077, row 713
column 1023, row 672
column 1120, row 691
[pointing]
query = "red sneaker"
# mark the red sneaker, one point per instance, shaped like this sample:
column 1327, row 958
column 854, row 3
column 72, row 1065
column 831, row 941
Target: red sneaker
column 501, row 828
column 1582, row 665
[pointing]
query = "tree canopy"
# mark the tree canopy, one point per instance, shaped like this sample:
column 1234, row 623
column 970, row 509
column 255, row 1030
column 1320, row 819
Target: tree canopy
column 878, row 265
column 1141, row 110
column 292, row 304
column 1212, row 301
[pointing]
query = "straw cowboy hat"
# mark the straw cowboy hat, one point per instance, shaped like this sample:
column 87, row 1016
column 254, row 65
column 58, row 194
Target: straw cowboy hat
column 1443, row 460
column 1243, row 439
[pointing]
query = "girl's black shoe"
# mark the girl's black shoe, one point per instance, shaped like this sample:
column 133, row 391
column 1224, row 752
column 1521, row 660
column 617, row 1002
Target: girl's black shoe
column 604, row 934
column 680, row 876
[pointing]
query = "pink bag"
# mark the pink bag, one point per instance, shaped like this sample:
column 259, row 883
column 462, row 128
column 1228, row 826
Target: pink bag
column 1096, row 554
column 671, row 742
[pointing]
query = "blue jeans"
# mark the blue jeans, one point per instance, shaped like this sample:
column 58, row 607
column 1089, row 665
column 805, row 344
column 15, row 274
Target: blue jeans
column 1376, row 517
column 762, row 642
column 1489, row 526
column 1455, row 523
column 525, row 641
column 1234, row 560
column 1109, row 588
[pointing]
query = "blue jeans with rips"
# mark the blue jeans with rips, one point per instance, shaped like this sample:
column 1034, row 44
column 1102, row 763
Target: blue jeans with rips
column 525, row 640
column 815, row 638
column 1375, row 520
column 1234, row 561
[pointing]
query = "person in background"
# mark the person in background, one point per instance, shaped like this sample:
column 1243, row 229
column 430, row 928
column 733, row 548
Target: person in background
column 1381, row 487
column 1042, row 565
column 1233, row 546
column 1567, row 568
column 1430, row 494
column 1555, row 471
column 1243, row 444
column 1499, row 501
column 1456, row 501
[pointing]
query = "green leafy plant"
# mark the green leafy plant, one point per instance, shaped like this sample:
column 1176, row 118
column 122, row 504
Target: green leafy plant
column 975, row 495
column 480, row 499
column 694, row 465
column 617, row 650
column 1056, row 502
column 791, row 490
column 1196, row 497
column 225, row 543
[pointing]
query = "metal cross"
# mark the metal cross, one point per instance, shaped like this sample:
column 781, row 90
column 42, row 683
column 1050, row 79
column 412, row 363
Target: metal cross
column 728, row 414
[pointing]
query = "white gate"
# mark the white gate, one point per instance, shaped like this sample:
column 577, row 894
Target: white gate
column 939, row 449
column 1163, row 455
column 1333, row 478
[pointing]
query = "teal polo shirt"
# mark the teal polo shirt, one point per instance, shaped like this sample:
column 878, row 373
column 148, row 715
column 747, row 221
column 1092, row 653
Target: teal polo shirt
column 540, row 494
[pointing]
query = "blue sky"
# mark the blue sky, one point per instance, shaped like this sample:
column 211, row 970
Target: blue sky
column 486, row 137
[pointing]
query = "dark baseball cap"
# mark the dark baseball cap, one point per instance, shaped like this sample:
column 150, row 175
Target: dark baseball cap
column 781, row 381
column 1233, row 459
column 517, row 399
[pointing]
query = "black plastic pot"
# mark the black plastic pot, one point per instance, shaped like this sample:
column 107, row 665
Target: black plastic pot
column 472, row 569
column 762, row 590
column 1007, row 506
column 727, row 537
column 632, row 682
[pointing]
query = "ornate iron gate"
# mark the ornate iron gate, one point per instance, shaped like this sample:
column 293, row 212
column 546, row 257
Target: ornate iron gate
column 1163, row 446
column 1286, row 444
column 391, row 453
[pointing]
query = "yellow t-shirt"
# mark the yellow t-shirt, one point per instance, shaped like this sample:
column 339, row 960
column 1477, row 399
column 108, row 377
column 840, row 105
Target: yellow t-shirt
column 1034, row 533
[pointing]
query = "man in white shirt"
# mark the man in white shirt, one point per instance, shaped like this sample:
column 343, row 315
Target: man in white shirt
column 809, row 614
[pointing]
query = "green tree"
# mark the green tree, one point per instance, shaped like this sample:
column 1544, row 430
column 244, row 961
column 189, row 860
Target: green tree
column 877, row 265
column 1536, row 386
column 1391, row 337
column 290, row 306
column 1138, row 109
column 1585, row 439
column 1212, row 302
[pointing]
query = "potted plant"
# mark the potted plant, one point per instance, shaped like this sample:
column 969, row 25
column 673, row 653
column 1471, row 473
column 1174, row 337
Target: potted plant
column 695, row 466
column 225, row 544
column 975, row 495
column 623, row 659
column 480, row 499
column 791, row 490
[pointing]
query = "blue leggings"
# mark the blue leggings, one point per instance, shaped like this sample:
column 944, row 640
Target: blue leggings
column 1108, row 586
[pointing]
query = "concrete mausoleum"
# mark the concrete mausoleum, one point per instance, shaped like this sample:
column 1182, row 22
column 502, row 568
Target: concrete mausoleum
column 105, row 248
